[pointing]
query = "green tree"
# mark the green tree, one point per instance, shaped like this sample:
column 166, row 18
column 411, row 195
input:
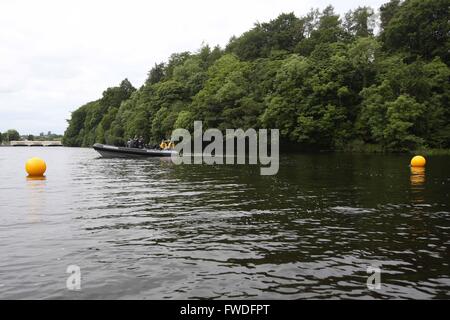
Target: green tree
column 114, row 96
column 12, row 135
column 326, row 83
column 88, row 124
column 156, row 74
column 72, row 135
column 360, row 22
column 372, row 118
column 224, row 100
column 185, row 120
column 280, row 34
column 387, row 12
column 363, row 53
column 402, row 117
column 283, row 106
column 420, row 27
column 327, row 28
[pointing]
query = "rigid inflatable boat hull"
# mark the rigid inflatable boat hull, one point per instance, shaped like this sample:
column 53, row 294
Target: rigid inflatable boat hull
column 108, row 151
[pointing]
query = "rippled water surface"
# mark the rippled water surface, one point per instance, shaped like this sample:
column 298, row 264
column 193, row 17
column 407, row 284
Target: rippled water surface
column 148, row 229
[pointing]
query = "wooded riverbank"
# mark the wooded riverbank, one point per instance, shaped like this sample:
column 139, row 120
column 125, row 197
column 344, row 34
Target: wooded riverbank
column 326, row 82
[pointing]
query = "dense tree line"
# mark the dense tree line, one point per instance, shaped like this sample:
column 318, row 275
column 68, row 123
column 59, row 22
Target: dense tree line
column 14, row 135
column 325, row 81
column 10, row 135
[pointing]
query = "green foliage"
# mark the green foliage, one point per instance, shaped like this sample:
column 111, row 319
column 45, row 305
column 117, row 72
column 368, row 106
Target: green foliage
column 221, row 103
column 387, row 12
column 156, row 74
column 10, row 135
column 325, row 82
column 402, row 117
column 420, row 28
column 360, row 22
column 90, row 123
column 323, row 28
column 185, row 120
column 281, row 34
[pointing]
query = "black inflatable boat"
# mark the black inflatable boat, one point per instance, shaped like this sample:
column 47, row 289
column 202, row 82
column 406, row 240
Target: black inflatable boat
column 108, row 151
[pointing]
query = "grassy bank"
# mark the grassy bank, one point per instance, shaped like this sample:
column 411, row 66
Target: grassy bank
column 360, row 147
column 432, row 152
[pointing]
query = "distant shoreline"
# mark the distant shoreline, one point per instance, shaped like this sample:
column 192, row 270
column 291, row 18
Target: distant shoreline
column 424, row 151
column 54, row 146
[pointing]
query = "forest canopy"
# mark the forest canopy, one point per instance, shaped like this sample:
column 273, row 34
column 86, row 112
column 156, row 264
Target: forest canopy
column 325, row 81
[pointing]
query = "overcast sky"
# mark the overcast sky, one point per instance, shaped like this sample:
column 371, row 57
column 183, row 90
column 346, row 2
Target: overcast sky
column 56, row 55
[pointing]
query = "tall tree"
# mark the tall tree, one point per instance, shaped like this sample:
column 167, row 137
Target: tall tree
column 360, row 22
column 324, row 28
column 421, row 28
column 12, row 135
column 387, row 12
column 156, row 74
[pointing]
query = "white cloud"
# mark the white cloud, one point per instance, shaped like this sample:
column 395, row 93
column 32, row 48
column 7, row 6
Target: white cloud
column 56, row 55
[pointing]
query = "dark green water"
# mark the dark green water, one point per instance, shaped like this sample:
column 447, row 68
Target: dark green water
column 148, row 229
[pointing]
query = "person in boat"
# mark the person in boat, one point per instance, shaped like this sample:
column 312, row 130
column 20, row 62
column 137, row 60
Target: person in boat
column 167, row 145
column 130, row 143
column 141, row 143
column 134, row 143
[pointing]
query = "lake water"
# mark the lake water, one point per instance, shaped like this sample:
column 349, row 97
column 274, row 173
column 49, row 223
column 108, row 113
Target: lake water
column 148, row 229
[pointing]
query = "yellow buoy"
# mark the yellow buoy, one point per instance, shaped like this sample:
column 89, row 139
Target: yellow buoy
column 418, row 161
column 35, row 167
